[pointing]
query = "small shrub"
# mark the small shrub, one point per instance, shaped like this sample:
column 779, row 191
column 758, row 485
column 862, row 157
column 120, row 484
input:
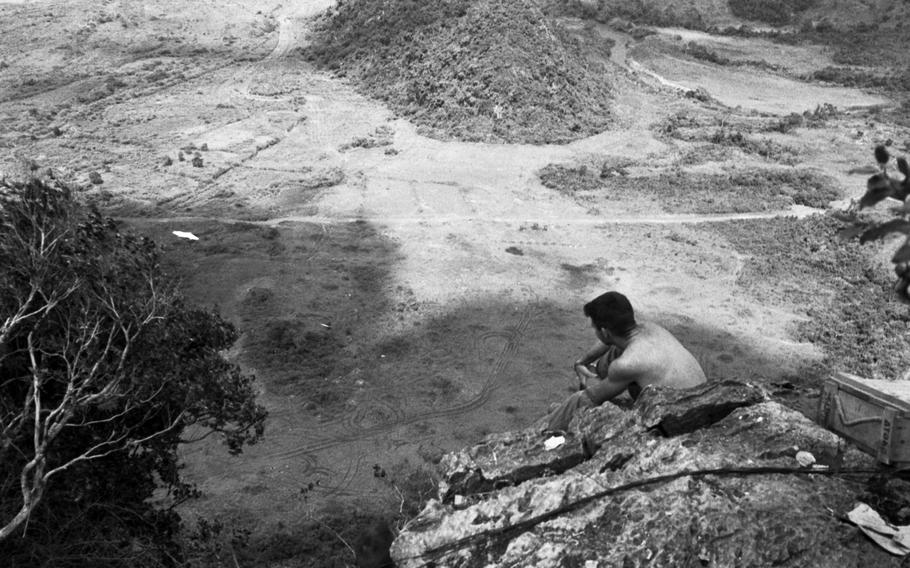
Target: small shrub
column 759, row 146
column 569, row 180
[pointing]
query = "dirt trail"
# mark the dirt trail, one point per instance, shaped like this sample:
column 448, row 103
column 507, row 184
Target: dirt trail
column 478, row 240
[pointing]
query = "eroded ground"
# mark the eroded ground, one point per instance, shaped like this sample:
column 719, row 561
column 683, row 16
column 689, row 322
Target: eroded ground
column 401, row 296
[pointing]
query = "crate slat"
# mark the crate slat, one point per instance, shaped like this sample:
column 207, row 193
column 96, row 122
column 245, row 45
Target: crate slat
column 873, row 414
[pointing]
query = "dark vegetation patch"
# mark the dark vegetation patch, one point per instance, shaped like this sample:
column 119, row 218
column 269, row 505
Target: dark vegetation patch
column 682, row 192
column 297, row 357
column 324, row 542
column 845, row 293
column 580, row 276
column 314, row 289
column 301, row 338
column 729, row 132
column 648, row 12
column 887, row 79
column 570, row 180
column 700, row 52
column 739, row 135
column 774, row 12
column 476, row 70
column 345, row 535
column 755, row 145
column 382, row 136
column 808, row 119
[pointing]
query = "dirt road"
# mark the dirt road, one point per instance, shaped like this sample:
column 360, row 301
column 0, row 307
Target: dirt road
column 475, row 272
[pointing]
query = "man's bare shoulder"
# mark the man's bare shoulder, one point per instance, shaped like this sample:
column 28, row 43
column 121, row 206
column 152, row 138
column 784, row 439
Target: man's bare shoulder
column 651, row 335
column 634, row 362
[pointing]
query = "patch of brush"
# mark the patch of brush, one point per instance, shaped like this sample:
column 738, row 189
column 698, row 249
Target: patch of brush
column 492, row 70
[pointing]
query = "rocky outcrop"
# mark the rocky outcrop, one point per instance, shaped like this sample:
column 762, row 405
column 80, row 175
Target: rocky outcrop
column 706, row 477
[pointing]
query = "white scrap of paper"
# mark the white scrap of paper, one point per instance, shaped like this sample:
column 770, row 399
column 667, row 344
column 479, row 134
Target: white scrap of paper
column 554, row 442
column 805, row 459
column 893, row 539
column 186, row 235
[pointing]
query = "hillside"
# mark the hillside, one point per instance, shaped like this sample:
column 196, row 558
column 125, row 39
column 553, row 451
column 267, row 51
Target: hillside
column 485, row 71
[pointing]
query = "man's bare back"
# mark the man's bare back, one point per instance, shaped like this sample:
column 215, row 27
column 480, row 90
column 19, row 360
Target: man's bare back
column 628, row 356
column 652, row 356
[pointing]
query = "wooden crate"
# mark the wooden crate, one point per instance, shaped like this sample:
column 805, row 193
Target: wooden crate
column 873, row 414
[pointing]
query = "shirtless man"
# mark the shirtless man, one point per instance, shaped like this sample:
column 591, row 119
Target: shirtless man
column 628, row 355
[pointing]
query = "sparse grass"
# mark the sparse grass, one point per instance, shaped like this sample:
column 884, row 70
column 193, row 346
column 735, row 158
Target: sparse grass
column 814, row 119
column 681, row 192
column 717, row 131
column 570, row 180
column 759, row 146
column 846, row 295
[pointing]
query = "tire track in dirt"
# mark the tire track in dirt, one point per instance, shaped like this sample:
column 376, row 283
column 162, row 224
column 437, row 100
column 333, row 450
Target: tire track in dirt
column 340, row 487
column 512, row 336
column 355, row 432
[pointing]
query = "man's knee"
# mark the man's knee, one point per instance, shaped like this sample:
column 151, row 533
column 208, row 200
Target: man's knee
column 561, row 417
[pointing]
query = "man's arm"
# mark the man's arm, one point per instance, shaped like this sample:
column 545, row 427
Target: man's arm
column 593, row 354
column 581, row 365
column 617, row 381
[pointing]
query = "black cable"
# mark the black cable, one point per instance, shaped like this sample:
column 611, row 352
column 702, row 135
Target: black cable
column 528, row 523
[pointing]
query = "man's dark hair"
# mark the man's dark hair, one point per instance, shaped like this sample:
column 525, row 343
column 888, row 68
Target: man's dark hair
column 613, row 311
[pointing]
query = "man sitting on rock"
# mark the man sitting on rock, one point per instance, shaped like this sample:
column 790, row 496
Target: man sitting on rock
column 628, row 355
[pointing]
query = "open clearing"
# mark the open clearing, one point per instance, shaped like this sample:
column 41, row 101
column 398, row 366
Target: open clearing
column 401, row 296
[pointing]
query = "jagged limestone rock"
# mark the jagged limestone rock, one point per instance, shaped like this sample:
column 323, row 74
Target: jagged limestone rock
column 673, row 413
column 503, row 460
column 702, row 498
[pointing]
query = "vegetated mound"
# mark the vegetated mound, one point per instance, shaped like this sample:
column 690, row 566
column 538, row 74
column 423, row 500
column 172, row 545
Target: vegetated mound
column 684, row 192
column 492, row 70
